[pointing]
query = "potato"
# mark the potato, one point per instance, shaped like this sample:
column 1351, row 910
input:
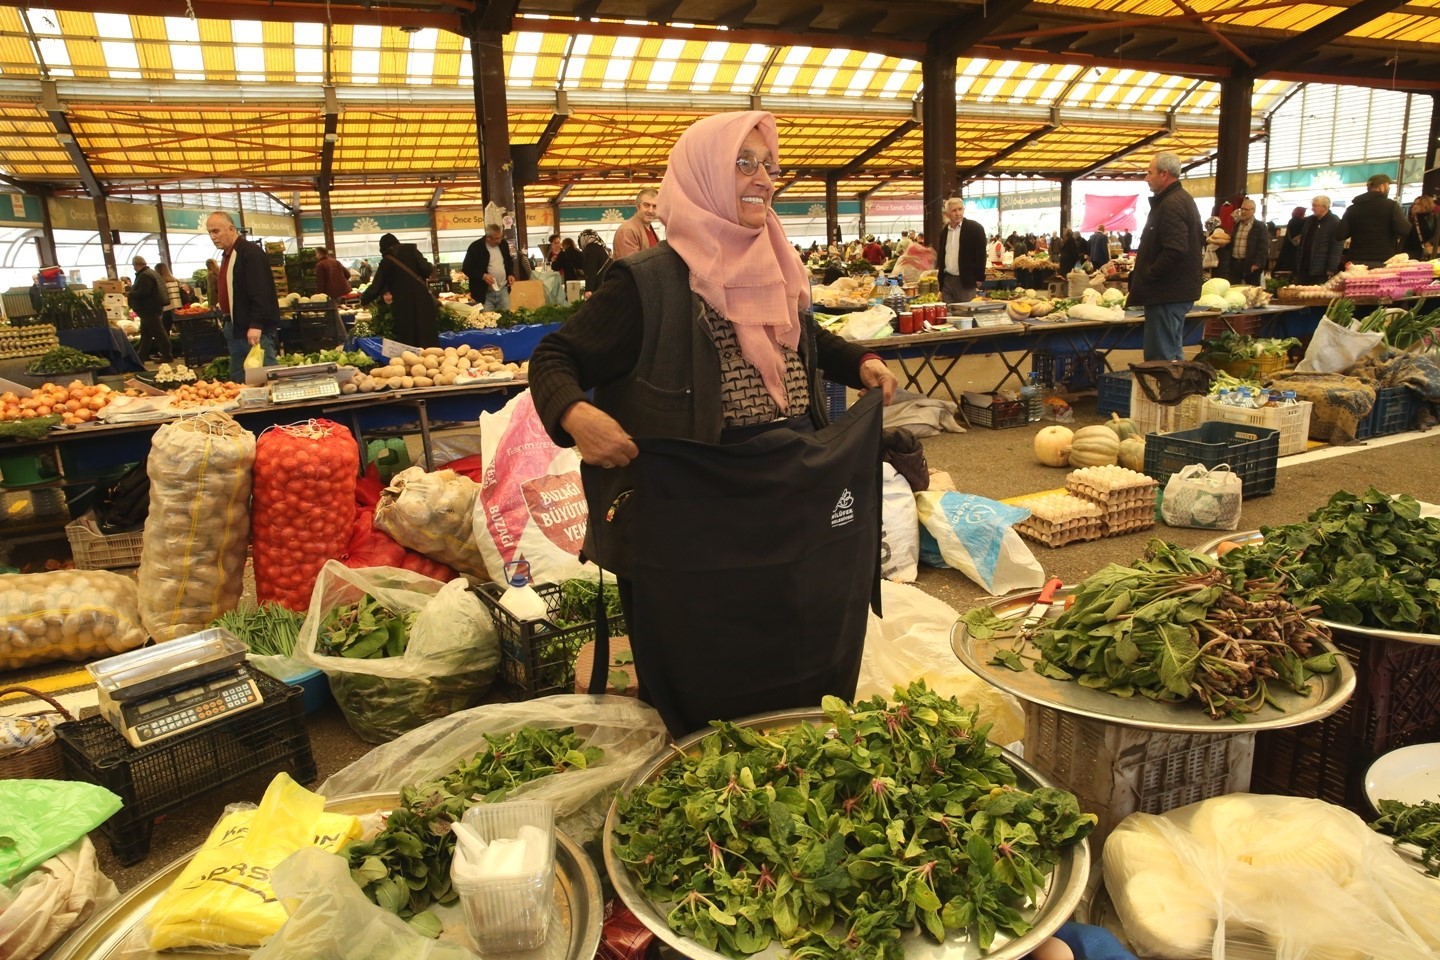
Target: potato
column 433, row 352
column 424, row 382
column 410, row 357
column 368, row 386
column 444, row 379
column 451, row 352
column 465, row 363
column 449, row 366
column 432, row 363
column 349, row 388
column 462, row 350
column 493, row 367
column 417, row 370
column 407, row 382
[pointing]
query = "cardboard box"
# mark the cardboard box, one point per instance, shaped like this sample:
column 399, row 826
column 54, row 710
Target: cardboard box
column 112, row 286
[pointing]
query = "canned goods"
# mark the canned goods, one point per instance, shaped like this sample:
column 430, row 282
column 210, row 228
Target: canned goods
column 907, row 322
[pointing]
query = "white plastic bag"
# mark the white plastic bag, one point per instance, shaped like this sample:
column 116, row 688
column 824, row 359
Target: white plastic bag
column 50, row 901
column 626, row 730
column 869, row 324
column 1335, row 349
column 448, row 663
column 1201, row 498
column 913, row 643
column 977, row 537
column 1219, row 878
column 531, row 504
column 434, row 514
column 900, row 530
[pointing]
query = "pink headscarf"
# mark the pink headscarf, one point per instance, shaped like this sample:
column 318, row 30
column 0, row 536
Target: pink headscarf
column 751, row 277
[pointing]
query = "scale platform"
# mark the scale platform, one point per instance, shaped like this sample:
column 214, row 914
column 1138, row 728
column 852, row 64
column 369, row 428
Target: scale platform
column 172, row 688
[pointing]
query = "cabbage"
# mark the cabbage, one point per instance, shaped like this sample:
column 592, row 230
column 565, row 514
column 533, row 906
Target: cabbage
column 1235, row 300
column 1211, row 301
column 1112, row 297
column 1217, row 287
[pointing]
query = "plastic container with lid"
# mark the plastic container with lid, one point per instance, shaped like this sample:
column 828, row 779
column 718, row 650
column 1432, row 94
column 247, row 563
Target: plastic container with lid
column 520, row 598
column 508, row 899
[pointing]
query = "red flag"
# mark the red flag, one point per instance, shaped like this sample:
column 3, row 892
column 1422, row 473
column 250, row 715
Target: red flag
column 1112, row 213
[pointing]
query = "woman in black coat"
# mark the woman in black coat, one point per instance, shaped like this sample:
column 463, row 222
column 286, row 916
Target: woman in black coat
column 1290, row 245
column 1420, row 243
column 1070, row 252
column 401, row 280
column 595, row 259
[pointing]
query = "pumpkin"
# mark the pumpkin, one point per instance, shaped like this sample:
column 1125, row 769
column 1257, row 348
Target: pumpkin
column 1132, row 453
column 1018, row 310
column 1124, row 427
column 1094, row 447
column 1052, row 446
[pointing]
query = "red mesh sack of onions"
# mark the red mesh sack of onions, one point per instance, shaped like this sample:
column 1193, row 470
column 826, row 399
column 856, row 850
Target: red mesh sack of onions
column 303, row 507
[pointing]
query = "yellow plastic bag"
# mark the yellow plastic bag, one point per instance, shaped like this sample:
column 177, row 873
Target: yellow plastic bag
column 255, row 359
column 223, row 899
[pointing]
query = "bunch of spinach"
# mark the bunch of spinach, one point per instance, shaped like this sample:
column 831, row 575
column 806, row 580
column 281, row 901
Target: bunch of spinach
column 834, row 840
column 1369, row 560
column 364, row 630
column 1413, row 823
column 406, row 867
column 1172, row 627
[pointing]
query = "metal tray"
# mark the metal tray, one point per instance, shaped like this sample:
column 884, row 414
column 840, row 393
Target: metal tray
column 1328, row 692
column 1058, row 901
column 574, row 934
column 1245, row 537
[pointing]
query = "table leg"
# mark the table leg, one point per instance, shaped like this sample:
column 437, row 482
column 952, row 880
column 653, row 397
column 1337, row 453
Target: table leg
column 1011, row 369
column 425, row 435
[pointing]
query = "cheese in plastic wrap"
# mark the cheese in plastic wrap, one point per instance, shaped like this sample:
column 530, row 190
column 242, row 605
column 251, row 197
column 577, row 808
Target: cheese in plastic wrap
column 1302, row 878
column 223, row 899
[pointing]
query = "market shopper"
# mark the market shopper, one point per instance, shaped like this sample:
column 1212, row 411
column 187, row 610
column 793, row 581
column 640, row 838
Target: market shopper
column 1245, row 257
column 1421, row 242
column 1321, row 246
column 960, row 254
column 1294, row 230
column 404, row 274
column 1099, row 248
column 331, row 277
column 1374, row 224
column 596, row 260
column 638, row 233
column 568, row 263
column 490, row 269
column 147, row 298
column 245, row 294
column 212, row 284
column 173, row 300
column 749, row 591
column 1166, row 277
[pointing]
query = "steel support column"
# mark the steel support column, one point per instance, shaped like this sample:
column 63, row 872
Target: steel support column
column 492, row 125
column 1233, row 148
column 327, row 218
column 107, row 237
column 45, row 243
column 832, row 208
column 938, row 127
column 164, row 235
column 1067, row 199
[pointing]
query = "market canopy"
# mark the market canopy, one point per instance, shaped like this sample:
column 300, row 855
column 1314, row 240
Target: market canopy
column 142, row 102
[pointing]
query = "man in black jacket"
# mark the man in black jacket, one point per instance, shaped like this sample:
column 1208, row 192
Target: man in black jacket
column 1374, row 224
column 247, row 295
column 960, row 254
column 1166, row 278
column 490, row 270
column 1248, row 253
column 1321, row 246
column 147, row 298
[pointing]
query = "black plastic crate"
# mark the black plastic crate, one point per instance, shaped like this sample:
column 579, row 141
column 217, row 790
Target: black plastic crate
column 1395, row 411
column 1073, row 371
column 201, row 339
column 1252, row 452
column 998, row 416
column 536, row 658
column 1114, row 393
column 1396, row 704
column 154, row 779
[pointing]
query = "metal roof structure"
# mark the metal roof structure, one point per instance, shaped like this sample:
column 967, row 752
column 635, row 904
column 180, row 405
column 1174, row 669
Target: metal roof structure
column 144, row 97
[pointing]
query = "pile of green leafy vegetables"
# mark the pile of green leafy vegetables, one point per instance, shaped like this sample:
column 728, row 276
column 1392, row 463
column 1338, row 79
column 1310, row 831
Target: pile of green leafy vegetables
column 1173, row 627
column 406, row 867
column 1417, row 823
column 834, row 840
column 1368, row 560
column 365, row 630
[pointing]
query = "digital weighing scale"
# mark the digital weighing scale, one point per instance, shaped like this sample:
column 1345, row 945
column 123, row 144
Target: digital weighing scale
column 311, row 381
column 172, row 688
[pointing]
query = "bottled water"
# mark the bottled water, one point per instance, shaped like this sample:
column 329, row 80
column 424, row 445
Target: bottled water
column 1289, row 398
column 1034, row 397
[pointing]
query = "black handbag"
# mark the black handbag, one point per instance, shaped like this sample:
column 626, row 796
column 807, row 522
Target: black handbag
column 124, row 505
column 1170, row 381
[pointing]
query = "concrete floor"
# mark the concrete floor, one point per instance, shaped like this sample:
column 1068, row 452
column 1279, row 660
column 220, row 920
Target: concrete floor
column 993, row 463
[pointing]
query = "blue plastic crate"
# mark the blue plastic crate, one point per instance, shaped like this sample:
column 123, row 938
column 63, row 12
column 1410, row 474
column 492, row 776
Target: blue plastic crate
column 1072, row 371
column 1251, row 452
column 1394, row 412
column 1114, row 393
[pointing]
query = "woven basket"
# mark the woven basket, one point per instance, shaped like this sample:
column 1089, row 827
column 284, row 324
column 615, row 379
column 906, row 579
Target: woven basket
column 585, row 663
column 39, row 761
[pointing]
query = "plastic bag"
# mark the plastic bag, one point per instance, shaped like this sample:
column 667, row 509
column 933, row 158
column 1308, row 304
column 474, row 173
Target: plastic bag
column 222, row 899
column 371, row 547
column 900, row 532
column 1335, row 349
column 43, row 817
column 977, row 537
column 255, row 359
column 628, row 732
column 531, row 503
column 448, row 664
column 192, row 563
column 1226, row 870
column 912, row 643
column 303, row 506
column 435, row 514
column 330, row 918
column 67, row 615
column 868, row 324
column 1201, row 498
column 53, row 899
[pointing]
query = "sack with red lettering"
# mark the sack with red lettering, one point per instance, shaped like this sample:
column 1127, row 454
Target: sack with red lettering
column 531, row 505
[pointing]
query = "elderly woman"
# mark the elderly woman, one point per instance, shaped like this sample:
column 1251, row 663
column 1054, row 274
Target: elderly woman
column 1420, row 243
column 741, row 527
column 402, row 280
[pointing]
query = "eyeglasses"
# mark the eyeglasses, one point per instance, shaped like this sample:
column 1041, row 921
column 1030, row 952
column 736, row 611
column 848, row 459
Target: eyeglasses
column 748, row 165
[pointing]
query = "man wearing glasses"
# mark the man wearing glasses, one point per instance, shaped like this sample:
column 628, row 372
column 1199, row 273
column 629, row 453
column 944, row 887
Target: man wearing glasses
column 961, row 254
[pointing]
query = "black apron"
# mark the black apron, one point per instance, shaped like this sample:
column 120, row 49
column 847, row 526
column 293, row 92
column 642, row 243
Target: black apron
column 746, row 569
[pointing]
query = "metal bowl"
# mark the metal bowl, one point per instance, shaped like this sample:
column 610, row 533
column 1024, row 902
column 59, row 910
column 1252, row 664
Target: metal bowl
column 1057, row 902
column 1245, row 537
column 1328, row 692
column 578, row 907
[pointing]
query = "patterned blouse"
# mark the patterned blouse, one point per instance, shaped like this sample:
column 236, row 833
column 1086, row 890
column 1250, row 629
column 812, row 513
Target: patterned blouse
column 743, row 398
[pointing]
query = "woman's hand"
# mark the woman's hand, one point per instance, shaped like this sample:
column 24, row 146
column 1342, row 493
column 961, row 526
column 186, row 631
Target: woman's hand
column 601, row 440
column 876, row 375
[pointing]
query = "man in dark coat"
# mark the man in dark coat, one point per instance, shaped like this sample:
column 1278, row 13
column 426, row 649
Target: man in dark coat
column 402, row 279
column 246, row 294
column 1167, row 276
column 331, row 277
column 148, row 299
column 1247, row 254
column 1321, row 246
column 1099, row 248
column 960, row 254
column 490, row 269
column 1374, row 224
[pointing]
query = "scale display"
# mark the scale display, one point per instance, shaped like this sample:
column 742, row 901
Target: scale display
column 289, row 390
column 145, row 721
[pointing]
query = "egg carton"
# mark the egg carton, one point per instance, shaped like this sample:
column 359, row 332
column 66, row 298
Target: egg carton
column 1111, row 485
column 1129, row 519
column 1054, row 534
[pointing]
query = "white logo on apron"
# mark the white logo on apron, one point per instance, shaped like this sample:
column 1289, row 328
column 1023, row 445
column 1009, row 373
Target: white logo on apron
column 844, row 511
